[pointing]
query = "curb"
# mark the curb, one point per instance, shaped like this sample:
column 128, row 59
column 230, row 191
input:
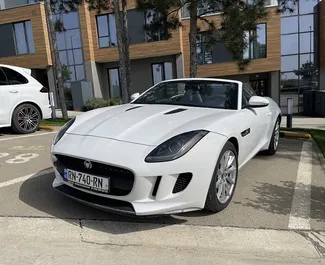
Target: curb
column 46, row 128
column 295, row 134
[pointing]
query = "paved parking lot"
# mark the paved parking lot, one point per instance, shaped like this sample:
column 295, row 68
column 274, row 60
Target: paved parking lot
column 286, row 191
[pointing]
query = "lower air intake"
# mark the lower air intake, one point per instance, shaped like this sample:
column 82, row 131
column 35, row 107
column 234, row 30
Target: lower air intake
column 182, row 182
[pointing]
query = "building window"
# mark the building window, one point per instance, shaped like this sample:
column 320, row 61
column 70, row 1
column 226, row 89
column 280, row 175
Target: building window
column 24, row 37
column 271, row 2
column 70, row 46
column 114, row 83
column 307, row 6
column 157, row 35
column 257, row 48
column 162, row 71
column 204, row 54
column 289, row 63
column 289, row 44
column 289, row 25
column 204, row 8
column 106, row 28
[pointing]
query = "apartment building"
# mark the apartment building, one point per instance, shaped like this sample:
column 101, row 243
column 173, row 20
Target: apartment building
column 88, row 48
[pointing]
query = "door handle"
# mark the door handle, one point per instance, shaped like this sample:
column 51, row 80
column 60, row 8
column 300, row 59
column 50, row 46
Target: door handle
column 13, row 91
column 269, row 113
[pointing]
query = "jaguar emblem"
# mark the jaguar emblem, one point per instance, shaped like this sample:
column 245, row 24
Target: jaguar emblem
column 88, row 164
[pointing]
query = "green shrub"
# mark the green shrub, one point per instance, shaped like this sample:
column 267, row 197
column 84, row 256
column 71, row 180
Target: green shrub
column 115, row 101
column 95, row 103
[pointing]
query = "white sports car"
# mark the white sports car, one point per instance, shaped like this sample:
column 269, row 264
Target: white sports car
column 175, row 148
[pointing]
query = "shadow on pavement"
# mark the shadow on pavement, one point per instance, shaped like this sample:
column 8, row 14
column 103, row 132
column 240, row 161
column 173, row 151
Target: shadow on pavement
column 277, row 199
column 289, row 149
column 38, row 193
column 6, row 131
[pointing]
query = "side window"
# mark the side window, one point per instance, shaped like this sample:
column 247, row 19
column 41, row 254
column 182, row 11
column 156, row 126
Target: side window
column 13, row 77
column 248, row 92
column 3, row 78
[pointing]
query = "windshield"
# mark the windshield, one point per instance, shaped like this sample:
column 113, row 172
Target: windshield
column 196, row 93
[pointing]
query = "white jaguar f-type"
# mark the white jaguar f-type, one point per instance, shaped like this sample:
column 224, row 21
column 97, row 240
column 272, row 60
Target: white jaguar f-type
column 177, row 147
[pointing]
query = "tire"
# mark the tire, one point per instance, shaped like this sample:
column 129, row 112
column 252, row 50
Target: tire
column 25, row 119
column 214, row 202
column 275, row 137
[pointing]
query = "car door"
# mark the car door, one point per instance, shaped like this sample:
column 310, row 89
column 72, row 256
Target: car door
column 259, row 118
column 10, row 96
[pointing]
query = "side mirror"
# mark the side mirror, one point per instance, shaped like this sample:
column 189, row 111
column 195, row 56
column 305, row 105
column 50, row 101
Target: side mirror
column 135, row 96
column 258, row 102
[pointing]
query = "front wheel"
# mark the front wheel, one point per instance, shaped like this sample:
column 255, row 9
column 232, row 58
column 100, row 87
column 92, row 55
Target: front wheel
column 25, row 119
column 274, row 143
column 224, row 180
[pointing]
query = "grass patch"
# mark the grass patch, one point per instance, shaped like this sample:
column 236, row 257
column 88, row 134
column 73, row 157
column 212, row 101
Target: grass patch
column 50, row 122
column 318, row 135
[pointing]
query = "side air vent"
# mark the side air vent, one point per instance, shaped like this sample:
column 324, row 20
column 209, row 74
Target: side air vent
column 182, row 182
column 134, row 108
column 175, row 111
column 155, row 189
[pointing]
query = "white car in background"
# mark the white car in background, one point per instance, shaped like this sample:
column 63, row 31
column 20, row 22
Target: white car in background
column 24, row 102
column 175, row 148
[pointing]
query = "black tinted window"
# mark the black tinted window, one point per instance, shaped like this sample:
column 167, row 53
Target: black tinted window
column 14, row 78
column 3, row 79
column 197, row 93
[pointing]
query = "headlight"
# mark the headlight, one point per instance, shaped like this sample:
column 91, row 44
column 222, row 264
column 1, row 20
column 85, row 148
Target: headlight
column 175, row 147
column 63, row 130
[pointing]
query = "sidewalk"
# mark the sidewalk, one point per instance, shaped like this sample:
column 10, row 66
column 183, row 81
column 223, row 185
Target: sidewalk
column 297, row 121
column 70, row 113
column 53, row 241
column 305, row 122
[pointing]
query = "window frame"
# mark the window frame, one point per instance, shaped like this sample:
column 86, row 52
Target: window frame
column 108, row 28
column 163, row 70
column 251, row 45
column 109, row 81
column 159, row 32
column 25, row 37
column 200, row 43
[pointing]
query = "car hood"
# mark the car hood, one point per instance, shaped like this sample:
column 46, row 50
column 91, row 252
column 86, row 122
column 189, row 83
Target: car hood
column 144, row 124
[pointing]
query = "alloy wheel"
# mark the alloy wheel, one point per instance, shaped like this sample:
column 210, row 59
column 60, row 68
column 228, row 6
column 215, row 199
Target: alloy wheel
column 28, row 119
column 226, row 176
column 276, row 135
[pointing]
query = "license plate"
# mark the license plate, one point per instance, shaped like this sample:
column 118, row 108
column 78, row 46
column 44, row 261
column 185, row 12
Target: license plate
column 87, row 181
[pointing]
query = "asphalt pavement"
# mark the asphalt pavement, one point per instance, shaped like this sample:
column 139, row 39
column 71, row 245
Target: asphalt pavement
column 284, row 192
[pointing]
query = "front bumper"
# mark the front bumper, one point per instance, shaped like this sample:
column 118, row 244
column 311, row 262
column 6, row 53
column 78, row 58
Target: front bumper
column 154, row 185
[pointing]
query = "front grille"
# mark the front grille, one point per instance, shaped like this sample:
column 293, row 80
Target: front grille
column 182, row 182
column 121, row 180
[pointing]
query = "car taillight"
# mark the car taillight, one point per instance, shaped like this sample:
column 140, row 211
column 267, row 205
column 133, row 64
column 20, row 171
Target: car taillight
column 44, row 90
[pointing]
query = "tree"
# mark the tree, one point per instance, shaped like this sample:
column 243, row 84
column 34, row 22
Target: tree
column 237, row 17
column 55, row 57
column 307, row 71
column 120, row 10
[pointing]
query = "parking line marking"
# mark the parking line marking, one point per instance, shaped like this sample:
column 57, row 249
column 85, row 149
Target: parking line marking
column 300, row 211
column 24, row 178
column 26, row 136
